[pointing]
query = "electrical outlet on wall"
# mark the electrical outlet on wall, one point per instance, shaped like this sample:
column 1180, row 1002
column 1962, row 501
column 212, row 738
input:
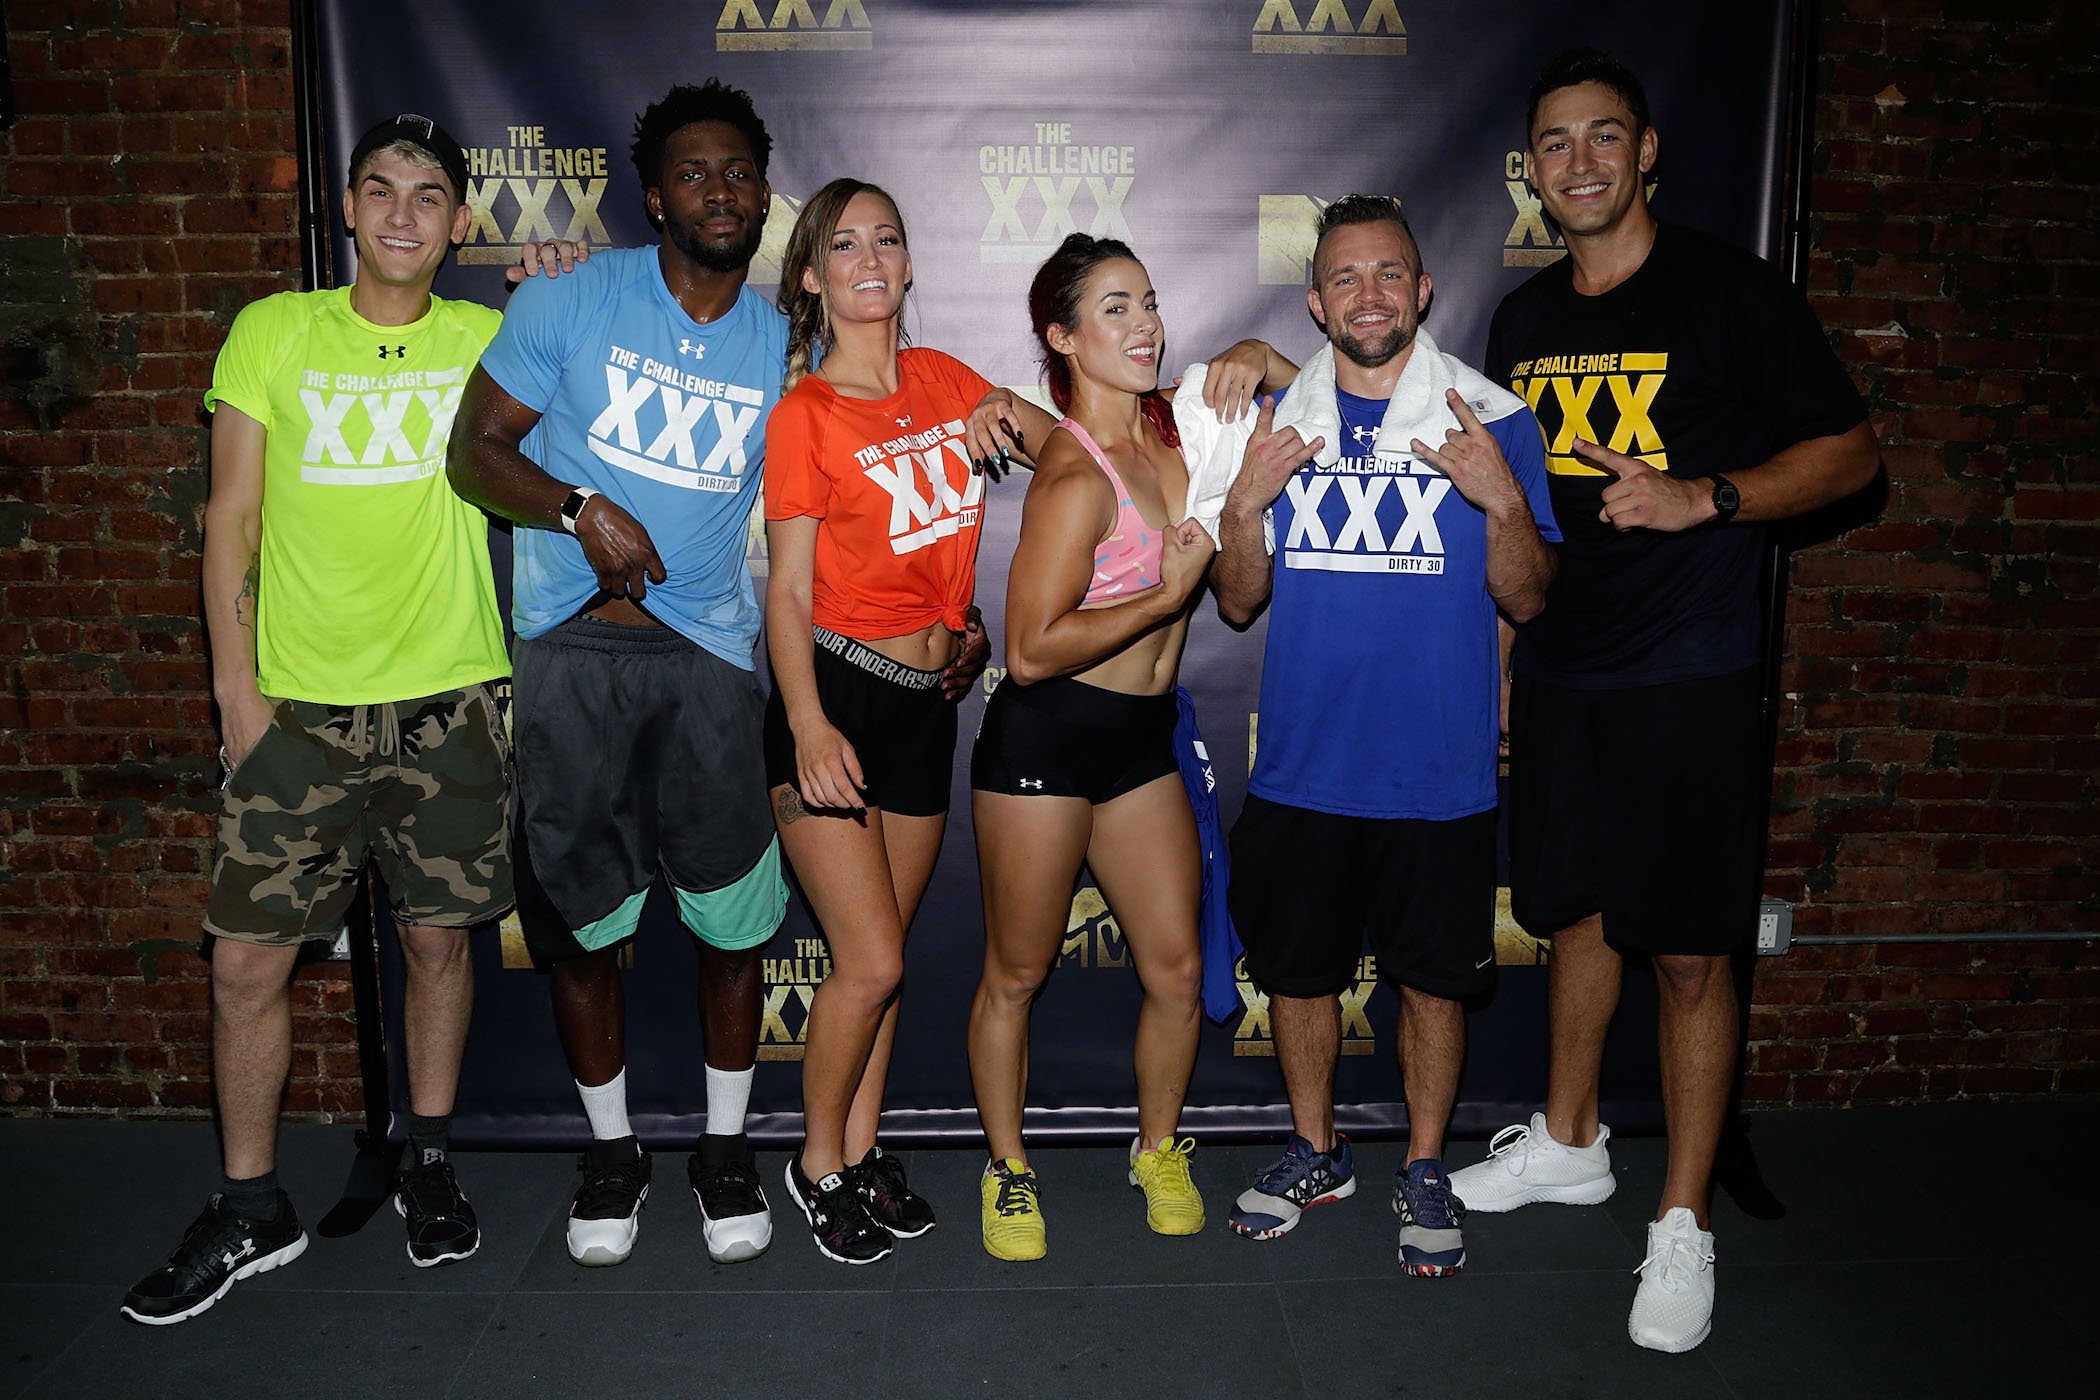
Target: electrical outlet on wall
column 1775, row 927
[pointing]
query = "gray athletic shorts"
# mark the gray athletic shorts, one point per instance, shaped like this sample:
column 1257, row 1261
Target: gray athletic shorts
column 637, row 752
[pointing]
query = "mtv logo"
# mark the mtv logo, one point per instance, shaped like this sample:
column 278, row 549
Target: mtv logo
column 773, row 240
column 793, row 25
column 1333, row 26
column 1287, row 227
column 1092, row 935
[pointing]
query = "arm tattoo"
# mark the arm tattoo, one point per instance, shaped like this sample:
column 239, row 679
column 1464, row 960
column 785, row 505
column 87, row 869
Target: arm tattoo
column 789, row 806
column 244, row 601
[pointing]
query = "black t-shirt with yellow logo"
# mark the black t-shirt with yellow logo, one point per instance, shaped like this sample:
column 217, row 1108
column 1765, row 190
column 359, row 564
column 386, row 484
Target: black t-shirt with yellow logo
column 1704, row 361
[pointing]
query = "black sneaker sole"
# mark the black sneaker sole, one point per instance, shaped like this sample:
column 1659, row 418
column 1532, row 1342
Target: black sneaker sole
column 809, row 1217
column 449, row 1256
column 275, row 1260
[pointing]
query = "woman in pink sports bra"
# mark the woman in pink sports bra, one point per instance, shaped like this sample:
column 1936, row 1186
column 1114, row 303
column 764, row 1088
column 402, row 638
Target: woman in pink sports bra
column 1075, row 759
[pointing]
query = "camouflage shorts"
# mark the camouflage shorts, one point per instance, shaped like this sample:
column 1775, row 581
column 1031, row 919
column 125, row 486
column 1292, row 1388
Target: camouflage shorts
column 422, row 787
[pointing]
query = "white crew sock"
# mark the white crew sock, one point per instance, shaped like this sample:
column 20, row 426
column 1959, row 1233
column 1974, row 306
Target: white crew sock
column 728, row 1095
column 606, row 1106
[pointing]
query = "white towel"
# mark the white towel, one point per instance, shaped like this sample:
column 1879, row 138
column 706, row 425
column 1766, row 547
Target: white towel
column 1418, row 409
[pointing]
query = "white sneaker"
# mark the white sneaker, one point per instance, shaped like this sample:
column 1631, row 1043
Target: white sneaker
column 1673, row 1309
column 606, row 1215
column 1526, row 1166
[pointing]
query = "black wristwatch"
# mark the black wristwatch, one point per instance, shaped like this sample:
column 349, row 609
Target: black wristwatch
column 1727, row 500
column 572, row 507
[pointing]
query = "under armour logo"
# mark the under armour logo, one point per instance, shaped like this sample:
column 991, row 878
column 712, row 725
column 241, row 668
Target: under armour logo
column 235, row 1256
column 1034, row 783
column 1364, row 433
column 689, row 346
column 905, row 421
column 396, row 351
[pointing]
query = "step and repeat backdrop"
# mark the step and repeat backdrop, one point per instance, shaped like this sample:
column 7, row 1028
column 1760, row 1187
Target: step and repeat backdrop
column 1206, row 133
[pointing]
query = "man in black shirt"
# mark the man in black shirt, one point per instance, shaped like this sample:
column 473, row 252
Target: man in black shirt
column 1687, row 395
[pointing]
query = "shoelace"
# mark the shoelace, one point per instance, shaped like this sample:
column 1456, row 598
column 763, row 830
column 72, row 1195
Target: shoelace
column 1676, row 1257
column 1017, row 1194
column 615, row 1184
column 208, row 1239
column 842, row 1215
column 735, row 1179
column 434, row 1189
column 887, row 1174
column 1432, row 1204
column 1286, row 1171
column 1514, row 1139
column 1174, row 1160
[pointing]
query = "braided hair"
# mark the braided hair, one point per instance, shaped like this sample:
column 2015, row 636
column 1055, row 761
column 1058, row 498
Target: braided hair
column 809, row 313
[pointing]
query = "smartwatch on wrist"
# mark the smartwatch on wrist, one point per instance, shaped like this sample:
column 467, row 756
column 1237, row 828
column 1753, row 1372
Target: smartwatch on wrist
column 1727, row 500
column 572, row 508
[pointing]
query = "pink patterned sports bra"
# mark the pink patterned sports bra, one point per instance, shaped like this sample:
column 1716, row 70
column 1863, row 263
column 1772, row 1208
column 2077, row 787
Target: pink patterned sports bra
column 1128, row 560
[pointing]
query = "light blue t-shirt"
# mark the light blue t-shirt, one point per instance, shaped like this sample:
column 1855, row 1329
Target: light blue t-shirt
column 1379, row 694
column 665, row 416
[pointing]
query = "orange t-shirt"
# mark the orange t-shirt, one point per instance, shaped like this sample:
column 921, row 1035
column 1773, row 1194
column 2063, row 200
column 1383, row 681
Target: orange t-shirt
column 889, row 482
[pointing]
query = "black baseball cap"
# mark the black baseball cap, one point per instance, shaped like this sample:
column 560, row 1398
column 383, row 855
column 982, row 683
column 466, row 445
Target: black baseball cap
column 426, row 136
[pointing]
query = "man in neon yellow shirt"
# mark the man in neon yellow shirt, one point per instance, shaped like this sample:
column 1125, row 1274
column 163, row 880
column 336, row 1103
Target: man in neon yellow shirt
column 354, row 638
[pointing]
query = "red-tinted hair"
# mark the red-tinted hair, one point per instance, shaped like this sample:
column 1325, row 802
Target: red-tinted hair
column 1053, row 300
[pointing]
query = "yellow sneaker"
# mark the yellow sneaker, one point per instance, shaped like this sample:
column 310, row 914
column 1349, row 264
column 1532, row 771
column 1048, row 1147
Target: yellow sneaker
column 1173, row 1206
column 1013, row 1213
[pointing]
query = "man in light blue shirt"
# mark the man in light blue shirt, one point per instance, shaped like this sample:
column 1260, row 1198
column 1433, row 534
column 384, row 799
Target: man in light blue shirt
column 619, row 419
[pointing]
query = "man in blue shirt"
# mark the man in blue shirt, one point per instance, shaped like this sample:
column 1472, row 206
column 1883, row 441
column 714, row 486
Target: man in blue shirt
column 1371, row 808
column 619, row 418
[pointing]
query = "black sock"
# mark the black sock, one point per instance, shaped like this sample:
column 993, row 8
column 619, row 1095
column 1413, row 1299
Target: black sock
column 258, row 1198
column 429, row 1136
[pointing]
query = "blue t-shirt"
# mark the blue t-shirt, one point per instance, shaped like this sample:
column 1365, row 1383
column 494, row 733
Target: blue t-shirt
column 1378, row 690
column 665, row 416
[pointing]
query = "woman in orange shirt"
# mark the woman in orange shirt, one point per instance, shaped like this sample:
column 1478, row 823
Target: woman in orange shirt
column 873, row 509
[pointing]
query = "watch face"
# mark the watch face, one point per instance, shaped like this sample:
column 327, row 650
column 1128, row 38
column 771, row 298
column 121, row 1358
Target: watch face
column 1727, row 500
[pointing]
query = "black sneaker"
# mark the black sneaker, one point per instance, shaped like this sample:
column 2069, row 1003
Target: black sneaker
column 607, row 1213
column 441, row 1226
column 879, row 1178
column 733, row 1211
column 218, row 1250
column 838, row 1217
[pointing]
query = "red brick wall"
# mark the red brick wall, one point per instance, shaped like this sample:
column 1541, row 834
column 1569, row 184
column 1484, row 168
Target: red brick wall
column 1936, row 769
column 147, row 192
column 1939, row 746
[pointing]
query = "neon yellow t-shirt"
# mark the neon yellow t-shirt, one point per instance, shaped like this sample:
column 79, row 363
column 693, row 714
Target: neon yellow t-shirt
column 374, row 578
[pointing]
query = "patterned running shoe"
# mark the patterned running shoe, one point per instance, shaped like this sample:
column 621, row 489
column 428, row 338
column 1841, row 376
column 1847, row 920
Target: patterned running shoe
column 1431, row 1243
column 218, row 1250
column 441, row 1225
column 1303, row 1177
column 897, row 1208
column 838, row 1218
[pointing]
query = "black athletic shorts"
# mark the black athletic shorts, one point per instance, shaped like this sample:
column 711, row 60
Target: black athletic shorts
column 1065, row 738
column 1643, row 805
column 1310, row 888
column 637, row 752
column 900, row 725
